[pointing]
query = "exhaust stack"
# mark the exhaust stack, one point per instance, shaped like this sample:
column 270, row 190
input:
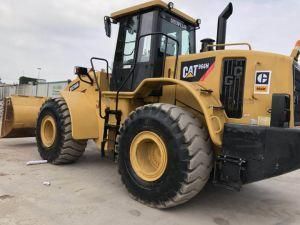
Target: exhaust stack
column 222, row 23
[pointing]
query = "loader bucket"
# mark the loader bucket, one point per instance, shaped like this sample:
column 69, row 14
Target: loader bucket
column 20, row 115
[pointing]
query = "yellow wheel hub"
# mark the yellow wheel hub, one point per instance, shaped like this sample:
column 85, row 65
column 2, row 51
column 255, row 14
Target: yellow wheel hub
column 48, row 131
column 148, row 156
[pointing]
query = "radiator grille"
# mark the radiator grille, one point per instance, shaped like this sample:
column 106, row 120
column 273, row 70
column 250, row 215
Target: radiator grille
column 297, row 94
column 232, row 92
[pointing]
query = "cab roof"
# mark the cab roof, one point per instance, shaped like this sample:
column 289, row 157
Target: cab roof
column 149, row 5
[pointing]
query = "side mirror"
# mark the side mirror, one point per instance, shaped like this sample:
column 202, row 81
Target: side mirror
column 81, row 71
column 107, row 24
column 280, row 113
column 83, row 75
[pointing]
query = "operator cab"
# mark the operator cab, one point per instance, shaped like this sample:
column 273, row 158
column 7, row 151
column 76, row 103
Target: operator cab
column 135, row 25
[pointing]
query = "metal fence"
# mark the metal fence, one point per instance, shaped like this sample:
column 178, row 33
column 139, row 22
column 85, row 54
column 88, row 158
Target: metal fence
column 1, row 112
column 50, row 89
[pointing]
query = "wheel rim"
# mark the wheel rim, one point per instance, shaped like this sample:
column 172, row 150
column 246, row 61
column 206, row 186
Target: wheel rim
column 48, row 131
column 148, row 156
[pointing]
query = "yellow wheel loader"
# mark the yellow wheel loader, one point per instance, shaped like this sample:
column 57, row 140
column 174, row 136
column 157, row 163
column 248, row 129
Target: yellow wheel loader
column 171, row 117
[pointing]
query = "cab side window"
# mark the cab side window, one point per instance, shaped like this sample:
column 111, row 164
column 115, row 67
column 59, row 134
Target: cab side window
column 130, row 40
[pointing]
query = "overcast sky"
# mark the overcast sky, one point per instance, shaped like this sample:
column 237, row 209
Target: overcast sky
column 57, row 35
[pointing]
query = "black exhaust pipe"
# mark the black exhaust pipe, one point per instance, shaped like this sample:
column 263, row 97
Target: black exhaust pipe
column 222, row 23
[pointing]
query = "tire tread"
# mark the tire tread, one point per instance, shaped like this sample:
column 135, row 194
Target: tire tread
column 198, row 146
column 70, row 150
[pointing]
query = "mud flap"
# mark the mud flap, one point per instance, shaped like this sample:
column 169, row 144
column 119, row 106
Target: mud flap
column 19, row 116
column 253, row 153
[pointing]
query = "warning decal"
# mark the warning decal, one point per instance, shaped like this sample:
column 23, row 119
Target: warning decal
column 75, row 86
column 262, row 82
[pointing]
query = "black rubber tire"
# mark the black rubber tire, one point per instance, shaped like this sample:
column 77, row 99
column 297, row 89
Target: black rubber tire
column 189, row 155
column 65, row 149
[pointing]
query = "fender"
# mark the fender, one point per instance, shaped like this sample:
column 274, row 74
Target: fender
column 84, row 114
column 209, row 105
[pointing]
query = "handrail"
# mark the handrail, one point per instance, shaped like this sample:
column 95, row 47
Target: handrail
column 232, row 44
column 136, row 56
column 97, row 84
column 91, row 82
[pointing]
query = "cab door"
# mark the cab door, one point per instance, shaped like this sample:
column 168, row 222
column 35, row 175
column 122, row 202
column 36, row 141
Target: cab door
column 125, row 53
column 146, row 53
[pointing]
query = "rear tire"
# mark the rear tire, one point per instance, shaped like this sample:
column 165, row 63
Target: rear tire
column 189, row 155
column 57, row 145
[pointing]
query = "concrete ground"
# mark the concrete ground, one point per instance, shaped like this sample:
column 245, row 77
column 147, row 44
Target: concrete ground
column 90, row 193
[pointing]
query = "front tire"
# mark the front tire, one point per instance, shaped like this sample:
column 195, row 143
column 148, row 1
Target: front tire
column 155, row 178
column 54, row 134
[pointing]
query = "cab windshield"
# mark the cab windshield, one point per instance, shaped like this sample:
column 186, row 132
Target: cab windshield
column 184, row 33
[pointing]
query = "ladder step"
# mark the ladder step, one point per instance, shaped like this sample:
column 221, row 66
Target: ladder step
column 110, row 126
column 114, row 112
column 109, row 140
column 110, row 133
